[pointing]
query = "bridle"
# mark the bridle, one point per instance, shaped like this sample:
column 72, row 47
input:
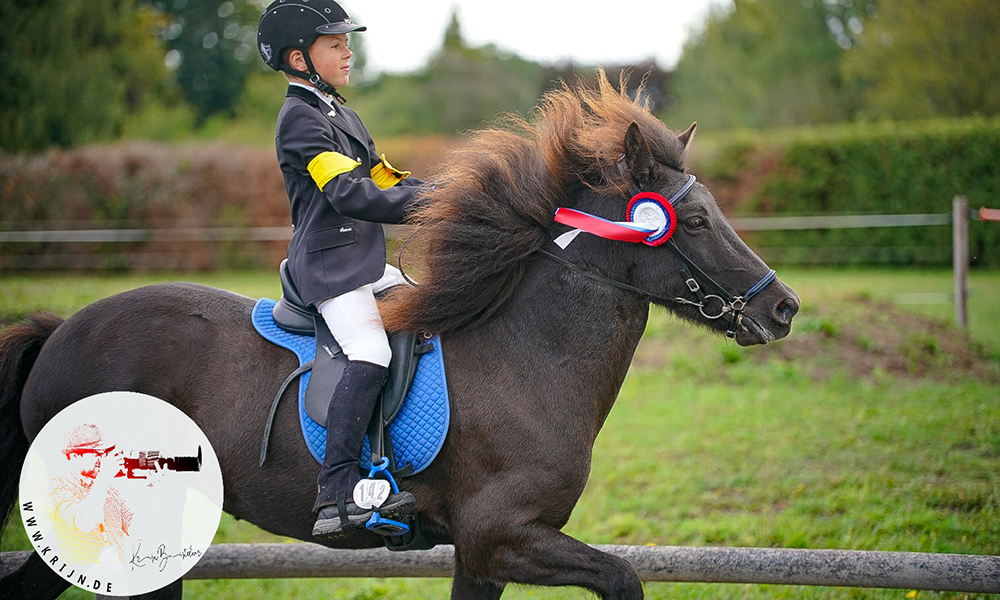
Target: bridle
column 707, row 303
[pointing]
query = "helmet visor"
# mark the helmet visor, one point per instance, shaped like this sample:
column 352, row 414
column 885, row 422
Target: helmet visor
column 345, row 26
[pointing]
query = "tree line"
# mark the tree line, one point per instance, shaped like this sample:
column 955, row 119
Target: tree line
column 773, row 63
column 76, row 71
column 72, row 71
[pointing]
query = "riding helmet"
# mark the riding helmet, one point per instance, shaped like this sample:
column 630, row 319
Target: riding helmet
column 296, row 24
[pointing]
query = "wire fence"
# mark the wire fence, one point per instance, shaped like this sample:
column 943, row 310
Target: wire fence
column 80, row 246
column 902, row 570
column 254, row 234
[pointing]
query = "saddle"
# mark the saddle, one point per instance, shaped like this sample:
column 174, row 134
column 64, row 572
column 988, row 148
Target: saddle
column 291, row 314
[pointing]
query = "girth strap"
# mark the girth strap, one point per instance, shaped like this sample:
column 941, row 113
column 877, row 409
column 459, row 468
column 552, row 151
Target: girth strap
column 274, row 406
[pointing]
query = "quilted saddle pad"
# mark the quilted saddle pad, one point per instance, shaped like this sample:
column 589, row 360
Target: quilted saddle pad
column 417, row 432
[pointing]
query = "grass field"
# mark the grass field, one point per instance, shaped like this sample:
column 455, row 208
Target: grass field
column 874, row 426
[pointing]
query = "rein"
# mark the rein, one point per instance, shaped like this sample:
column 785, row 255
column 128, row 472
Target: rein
column 727, row 303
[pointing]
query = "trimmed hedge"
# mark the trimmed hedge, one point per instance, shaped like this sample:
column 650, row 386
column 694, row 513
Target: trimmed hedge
column 141, row 186
column 879, row 169
column 153, row 186
column 849, row 169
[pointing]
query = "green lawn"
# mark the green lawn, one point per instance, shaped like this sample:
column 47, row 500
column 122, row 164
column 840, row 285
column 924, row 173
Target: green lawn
column 875, row 426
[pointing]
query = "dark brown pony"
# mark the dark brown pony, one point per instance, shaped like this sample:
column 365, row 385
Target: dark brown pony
column 536, row 350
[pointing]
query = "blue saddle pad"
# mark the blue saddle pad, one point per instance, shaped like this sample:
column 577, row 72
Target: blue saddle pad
column 419, row 429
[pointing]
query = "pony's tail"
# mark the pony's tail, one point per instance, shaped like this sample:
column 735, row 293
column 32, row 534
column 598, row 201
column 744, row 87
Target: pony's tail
column 19, row 347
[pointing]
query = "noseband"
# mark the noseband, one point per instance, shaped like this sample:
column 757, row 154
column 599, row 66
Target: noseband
column 711, row 305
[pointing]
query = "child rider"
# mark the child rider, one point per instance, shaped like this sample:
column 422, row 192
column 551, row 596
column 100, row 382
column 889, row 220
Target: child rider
column 341, row 192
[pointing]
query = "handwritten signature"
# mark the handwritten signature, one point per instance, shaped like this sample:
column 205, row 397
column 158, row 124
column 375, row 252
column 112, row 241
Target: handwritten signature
column 161, row 557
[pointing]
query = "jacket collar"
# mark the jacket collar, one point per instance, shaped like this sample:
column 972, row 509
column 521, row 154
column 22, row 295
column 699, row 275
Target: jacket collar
column 326, row 100
column 297, row 91
column 337, row 118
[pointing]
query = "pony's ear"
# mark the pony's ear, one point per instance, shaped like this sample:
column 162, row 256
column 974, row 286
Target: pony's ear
column 638, row 156
column 685, row 138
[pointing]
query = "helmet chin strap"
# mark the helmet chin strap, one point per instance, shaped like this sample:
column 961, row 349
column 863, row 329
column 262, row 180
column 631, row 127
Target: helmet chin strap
column 313, row 77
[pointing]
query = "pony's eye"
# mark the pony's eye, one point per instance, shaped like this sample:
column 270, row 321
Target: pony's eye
column 695, row 223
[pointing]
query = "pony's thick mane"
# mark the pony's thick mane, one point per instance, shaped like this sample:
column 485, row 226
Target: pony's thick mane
column 493, row 203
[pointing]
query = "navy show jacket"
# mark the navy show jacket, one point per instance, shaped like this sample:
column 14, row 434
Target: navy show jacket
column 338, row 243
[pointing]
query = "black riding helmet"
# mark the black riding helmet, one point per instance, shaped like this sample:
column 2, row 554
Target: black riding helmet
column 296, row 24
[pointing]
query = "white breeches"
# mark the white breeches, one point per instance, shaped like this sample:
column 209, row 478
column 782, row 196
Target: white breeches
column 355, row 323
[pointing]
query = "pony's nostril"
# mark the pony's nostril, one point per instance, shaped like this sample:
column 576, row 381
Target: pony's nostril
column 786, row 309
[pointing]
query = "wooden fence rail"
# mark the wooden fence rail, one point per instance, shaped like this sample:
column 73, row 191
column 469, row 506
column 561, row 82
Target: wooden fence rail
column 841, row 568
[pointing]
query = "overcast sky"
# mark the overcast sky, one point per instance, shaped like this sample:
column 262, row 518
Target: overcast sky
column 402, row 34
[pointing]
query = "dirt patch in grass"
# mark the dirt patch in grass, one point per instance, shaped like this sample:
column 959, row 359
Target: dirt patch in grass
column 858, row 337
column 865, row 338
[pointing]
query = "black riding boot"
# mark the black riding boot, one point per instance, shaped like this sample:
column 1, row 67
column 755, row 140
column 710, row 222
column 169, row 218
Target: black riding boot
column 351, row 409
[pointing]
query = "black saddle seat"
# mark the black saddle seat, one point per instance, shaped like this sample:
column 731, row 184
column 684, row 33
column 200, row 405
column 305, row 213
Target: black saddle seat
column 291, row 313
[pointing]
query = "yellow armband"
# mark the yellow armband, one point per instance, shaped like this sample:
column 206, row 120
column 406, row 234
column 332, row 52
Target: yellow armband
column 385, row 175
column 328, row 165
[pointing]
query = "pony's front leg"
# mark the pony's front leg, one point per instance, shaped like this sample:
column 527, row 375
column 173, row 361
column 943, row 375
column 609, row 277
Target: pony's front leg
column 538, row 555
column 174, row 591
column 33, row 580
column 465, row 588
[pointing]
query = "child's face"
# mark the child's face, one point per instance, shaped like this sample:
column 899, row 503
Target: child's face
column 332, row 59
